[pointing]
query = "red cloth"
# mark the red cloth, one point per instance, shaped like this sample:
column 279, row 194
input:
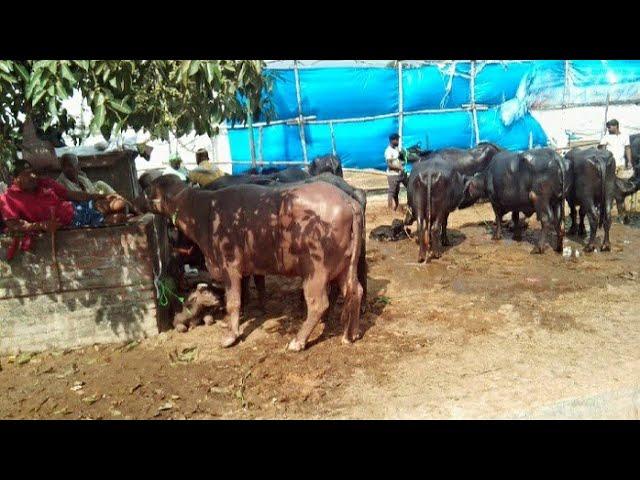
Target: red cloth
column 38, row 206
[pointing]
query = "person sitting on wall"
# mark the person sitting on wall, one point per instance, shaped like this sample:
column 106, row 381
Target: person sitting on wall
column 33, row 203
column 205, row 172
column 74, row 179
column 175, row 168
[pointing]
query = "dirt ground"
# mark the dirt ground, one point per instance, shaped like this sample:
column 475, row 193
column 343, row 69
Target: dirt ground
column 487, row 331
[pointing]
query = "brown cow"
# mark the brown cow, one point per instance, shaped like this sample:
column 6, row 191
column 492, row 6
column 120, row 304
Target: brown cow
column 309, row 230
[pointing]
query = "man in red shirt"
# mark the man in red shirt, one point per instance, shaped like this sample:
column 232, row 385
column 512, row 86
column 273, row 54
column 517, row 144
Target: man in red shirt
column 33, row 203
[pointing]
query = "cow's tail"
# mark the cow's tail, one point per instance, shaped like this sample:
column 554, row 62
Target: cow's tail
column 352, row 289
column 563, row 195
column 602, row 166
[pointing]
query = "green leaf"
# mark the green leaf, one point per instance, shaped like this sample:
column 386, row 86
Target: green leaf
column 23, row 72
column 184, row 68
column 61, row 91
column 5, row 66
column 99, row 99
column 98, row 119
column 121, row 106
column 51, row 90
column 84, row 64
column 53, row 108
column 193, row 67
column 209, row 71
column 66, row 73
column 38, row 96
column 8, row 77
column 53, row 66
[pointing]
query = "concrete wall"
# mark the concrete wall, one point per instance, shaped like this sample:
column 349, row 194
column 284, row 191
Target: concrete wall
column 105, row 292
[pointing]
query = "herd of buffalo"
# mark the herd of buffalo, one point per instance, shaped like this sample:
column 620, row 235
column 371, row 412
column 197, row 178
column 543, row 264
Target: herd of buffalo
column 311, row 223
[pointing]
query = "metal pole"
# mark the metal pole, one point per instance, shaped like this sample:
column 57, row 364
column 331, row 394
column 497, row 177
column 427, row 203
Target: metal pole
column 303, row 140
column 260, row 144
column 252, row 147
column 606, row 113
column 400, row 103
column 474, row 111
column 333, row 139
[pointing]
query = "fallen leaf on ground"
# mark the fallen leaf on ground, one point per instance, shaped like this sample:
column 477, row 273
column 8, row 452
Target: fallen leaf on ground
column 91, row 400
column 166, row 406
column 24, row 358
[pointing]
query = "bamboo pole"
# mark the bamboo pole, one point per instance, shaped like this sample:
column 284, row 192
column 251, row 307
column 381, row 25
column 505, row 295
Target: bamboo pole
column 303, row 140
column 252, row 147
column 333, row 139
column 474, row 111
column 400, row 104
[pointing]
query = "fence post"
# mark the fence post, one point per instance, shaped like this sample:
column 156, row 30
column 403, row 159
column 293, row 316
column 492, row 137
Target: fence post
column 400, row 103
column 474, row 111
column 252, row 147
column 333, row 139
column 260, row 144
column 303, row 140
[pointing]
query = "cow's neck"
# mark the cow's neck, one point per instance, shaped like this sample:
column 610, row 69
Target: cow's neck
column 179, row 210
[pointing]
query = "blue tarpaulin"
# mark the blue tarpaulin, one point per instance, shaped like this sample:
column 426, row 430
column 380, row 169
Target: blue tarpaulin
column 364, row 105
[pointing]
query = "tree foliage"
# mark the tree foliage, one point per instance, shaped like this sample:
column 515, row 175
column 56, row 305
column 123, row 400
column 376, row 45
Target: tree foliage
column 163, row 96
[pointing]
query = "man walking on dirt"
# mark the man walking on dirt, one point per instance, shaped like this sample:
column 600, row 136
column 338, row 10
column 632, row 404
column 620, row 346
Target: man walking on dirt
column 392, row 156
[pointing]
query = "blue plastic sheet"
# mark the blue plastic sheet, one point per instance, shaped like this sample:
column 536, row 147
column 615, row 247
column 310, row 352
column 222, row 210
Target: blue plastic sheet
column 511, row 90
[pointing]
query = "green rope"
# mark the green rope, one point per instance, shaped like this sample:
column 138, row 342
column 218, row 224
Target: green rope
column 163, row 289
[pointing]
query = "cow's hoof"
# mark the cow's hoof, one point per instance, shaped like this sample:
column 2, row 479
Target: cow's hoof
column 496, row 237
column 208, row 320
column 228, row 340
column 589, row 248
column 295, row 345
column 517, row 238
column 421, row 259
column 537, row 250
column 436, row 255
column 606, row 247
column 181, row 327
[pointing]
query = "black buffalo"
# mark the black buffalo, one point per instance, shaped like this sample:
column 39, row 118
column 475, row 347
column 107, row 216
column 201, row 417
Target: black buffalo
column 533, row 181
column 466, row 162
column 326, row 164
column 594, row 176
column 434, row 190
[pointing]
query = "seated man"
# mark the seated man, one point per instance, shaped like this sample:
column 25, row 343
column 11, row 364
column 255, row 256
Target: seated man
column 33, row 203
column 75, row 180
column 175, row 168
column 205, row 172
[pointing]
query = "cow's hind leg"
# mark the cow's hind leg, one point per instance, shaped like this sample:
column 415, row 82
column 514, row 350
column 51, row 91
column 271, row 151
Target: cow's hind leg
column 559, row 225
column 582, row 231
column 543, row 210
column 444, row 239
column 350, row 318
column 606, row 244
column 497, row 235
column 573, row 214
column 592, row 215
column 315, row 294
column 517, row 231
column 233, row 293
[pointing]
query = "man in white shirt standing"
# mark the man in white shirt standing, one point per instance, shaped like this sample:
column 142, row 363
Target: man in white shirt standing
column 392, row 157
column 618, row 144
